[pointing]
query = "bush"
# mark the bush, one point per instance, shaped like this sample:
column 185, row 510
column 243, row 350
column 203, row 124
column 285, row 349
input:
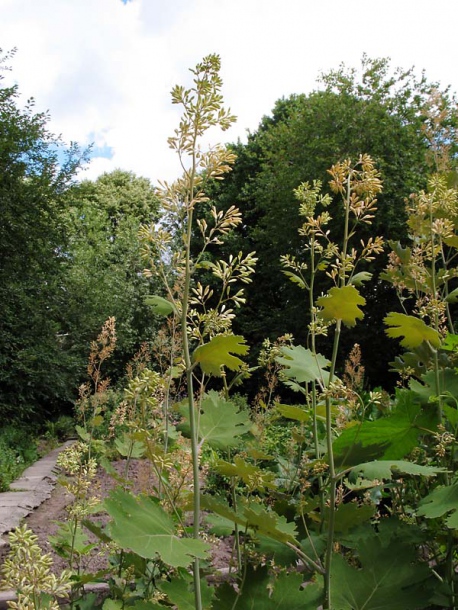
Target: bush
column 18, row 449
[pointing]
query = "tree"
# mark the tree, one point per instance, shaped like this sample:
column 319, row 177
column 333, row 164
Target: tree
column 35, row 372
column 374, row 112
column 103, row 266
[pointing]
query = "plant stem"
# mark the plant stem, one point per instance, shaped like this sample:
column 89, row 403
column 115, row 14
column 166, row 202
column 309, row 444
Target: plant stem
column 332, row 470
column 192, row 410
column 332, row 475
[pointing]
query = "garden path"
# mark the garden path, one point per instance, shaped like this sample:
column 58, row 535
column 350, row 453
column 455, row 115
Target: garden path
column 27, row 493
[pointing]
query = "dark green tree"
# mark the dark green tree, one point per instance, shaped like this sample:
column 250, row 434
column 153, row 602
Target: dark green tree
column 35, row 371
column 373, row 111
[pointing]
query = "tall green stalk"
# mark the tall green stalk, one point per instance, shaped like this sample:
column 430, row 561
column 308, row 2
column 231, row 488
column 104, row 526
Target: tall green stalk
column 202, row 109
column 329, row 439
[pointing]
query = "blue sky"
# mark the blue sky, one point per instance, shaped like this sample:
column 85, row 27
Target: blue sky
column 104, row 68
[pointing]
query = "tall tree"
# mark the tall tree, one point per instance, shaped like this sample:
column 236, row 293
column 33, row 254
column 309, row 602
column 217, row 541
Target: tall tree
column 35, row 372
column 103, row 267
column 373, row 111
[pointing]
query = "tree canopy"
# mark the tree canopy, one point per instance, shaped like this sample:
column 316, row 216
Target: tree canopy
column 103, row 269
column 375, row 111
column 33, row 368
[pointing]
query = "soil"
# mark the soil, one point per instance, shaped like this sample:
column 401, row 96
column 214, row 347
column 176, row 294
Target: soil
column 43, row 521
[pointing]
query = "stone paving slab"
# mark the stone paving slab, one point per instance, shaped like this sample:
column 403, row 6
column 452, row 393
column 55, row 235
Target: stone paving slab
column 32, row 488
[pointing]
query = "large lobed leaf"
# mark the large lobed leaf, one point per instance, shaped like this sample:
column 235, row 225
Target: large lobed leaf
column 341, row 304
column 255, row 517
column 389, row 578
column 180, row 592
column 439, row 502
column 258, row 478
column 218, row 352
column 413, row 329
column 141, row 525
column 220, row 422
column 385, row 469
column 387, row 438
column 261, row 592
column 303, row 365
column 448, row 385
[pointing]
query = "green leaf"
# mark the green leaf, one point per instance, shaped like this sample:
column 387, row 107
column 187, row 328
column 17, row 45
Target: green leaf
column 448, row 386
column 390, row 438
column 270, row 523
column 261, row 592
column 264, row 521
column 439, row 502
column 385, row 469
column 141, row 525
column 451, row 241
column 218, row 353
column 418, row 360
column 112, row 604
column 161, row 306
column 389, row 578
column 350, row 515
column 248, row 473
column 141, row 604
column 128, row 447
column 450, row 342
column 221, row 424
column 303, row 365
column 414, row 330
column 181, row 594
column 292, row 412
column 282, row 555
column 360, row 278
column 341, row 304
column 82, row 433
column 452, row 297
column 296, row 279
column 451, row 413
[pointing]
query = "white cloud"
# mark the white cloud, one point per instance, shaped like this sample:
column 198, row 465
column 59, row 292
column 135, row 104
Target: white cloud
column 104, row 69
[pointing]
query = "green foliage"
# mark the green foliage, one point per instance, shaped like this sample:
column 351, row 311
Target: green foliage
column 369, row 108
column 426, row 387
column 160, row 306
column 341, row 304
column 389, row 438
column 264, row 593
column 218, row 352
column 388, row 578
column 292, row 412
column 303, row 365
column 414, row 330
column 18, row 450
column 221, row 424
column 387, row 469
column 141, row 525
column 180, row 592
column 306, row 486
column 255, row 517
column 441, row 501
column 104, row 262
column 37, row 373
column 253, row 476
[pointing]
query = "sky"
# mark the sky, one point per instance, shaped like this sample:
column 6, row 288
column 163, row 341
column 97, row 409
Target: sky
column 104, row 69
